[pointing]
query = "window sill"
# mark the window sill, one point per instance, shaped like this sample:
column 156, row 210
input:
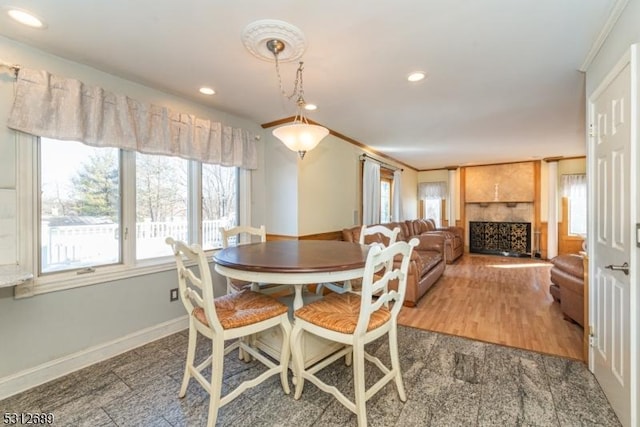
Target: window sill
column 70, row 280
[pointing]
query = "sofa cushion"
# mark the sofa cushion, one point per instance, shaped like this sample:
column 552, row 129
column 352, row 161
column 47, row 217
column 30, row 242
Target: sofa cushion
column 419, row 226
column 430, row 259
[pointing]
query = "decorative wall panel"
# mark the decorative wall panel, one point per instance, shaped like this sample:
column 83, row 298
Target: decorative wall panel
column 512, row 182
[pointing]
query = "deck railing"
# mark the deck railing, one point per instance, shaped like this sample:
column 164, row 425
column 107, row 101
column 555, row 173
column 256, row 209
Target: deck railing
column 66, row 246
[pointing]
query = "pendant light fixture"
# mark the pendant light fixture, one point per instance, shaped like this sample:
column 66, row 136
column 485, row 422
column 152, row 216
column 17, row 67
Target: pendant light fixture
column 273, row 36
column 299, row 136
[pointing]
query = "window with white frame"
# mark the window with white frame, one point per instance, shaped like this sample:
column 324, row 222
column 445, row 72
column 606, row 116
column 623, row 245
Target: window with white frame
column 574, row 188
column 83, row 205
column 106, row 211
column 80, row 209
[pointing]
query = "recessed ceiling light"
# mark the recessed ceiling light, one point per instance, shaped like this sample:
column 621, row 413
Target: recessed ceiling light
column 416, row 76
column 207, row 91
column 310, row 107
column 25, row 18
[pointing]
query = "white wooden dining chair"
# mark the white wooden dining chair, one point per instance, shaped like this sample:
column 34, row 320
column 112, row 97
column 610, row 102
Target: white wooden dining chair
column 240, row 235
column 389, row 236
column 230, row 317
column 355, row 320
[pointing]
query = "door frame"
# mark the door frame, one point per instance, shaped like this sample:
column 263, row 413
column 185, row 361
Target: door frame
column 630, row 57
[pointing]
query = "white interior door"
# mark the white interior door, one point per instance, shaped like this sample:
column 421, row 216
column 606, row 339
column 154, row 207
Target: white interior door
column 611, row 242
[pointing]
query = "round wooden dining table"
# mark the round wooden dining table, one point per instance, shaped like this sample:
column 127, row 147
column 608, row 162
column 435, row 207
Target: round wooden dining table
column 293, row 262
column 296, row 263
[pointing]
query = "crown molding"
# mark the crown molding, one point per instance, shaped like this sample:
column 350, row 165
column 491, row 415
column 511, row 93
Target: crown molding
column 614, row 15
column 359, row 144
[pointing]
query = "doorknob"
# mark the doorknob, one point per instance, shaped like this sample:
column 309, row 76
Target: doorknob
column 624, row 268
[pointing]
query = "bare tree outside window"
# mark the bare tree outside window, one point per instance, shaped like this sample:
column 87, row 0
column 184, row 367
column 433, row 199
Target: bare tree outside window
column 219, row 202
column 161, row 203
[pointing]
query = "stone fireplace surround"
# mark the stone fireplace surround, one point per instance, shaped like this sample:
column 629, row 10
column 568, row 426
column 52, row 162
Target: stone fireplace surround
column 508, row 212
column 501, row 193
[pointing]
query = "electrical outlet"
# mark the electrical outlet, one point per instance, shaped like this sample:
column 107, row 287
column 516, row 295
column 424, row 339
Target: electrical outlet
column 173, row 294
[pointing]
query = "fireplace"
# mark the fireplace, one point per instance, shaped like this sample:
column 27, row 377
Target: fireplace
column 500, row 238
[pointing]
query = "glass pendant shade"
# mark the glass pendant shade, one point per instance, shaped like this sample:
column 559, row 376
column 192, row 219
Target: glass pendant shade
column 300, row 137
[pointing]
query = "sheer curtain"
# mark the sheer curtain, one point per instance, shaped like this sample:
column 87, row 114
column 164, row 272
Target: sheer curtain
column 370, row 192
column 66, row 109
column 432, row 190
column 397, row 214
column 574, row 188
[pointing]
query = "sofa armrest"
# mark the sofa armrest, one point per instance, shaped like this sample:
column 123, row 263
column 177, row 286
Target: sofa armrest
column 430, row 241
column 458, row 231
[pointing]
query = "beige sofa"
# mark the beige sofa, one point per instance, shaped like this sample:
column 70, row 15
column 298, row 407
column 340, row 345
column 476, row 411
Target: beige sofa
column 453, row 236
column 427, row 259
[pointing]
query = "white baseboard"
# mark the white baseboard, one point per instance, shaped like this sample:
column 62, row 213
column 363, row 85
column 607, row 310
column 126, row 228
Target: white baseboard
column 51, row 370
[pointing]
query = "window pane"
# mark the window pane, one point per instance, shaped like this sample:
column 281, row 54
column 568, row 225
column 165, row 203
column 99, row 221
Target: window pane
column 433, row 210
column 219, row 202
column 80, row 205
column 385, row 201
column 578, row 216
column 161, row 203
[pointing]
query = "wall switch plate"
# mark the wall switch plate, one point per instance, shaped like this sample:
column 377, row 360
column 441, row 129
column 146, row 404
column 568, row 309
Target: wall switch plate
column 173, row 294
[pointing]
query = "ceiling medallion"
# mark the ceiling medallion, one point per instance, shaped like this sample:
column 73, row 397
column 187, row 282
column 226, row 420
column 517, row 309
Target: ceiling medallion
column 256, row 35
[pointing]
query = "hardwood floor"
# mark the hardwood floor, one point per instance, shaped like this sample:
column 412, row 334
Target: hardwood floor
column 499, row 300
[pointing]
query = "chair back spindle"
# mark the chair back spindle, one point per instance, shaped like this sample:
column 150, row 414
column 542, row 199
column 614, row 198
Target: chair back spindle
column 194, row 289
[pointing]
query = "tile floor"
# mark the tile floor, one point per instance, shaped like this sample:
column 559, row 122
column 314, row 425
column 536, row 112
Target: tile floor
column 450, row 381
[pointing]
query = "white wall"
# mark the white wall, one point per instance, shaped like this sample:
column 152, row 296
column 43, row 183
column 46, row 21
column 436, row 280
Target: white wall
column 434, row 176
column 281, row 188
column 409, row 193
column 321, row 193
column 41, row 328
column 328, row 187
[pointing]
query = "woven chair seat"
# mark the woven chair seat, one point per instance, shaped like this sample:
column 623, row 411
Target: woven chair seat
column 340, row 313
column 242, row 309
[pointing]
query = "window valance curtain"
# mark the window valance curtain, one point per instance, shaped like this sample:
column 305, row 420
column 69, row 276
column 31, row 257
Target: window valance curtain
column 574, row 186
column 67, row 109
column 432, row 190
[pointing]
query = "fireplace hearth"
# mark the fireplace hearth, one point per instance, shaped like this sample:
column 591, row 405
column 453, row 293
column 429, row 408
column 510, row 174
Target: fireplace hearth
column 500, row 238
